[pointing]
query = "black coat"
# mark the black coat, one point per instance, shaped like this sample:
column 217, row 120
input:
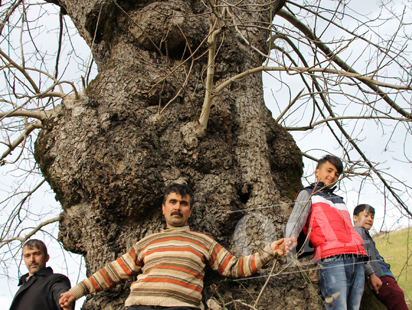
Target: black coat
column 41, row 292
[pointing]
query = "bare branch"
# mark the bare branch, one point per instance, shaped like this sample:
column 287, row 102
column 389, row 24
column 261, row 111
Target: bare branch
column 31, row 233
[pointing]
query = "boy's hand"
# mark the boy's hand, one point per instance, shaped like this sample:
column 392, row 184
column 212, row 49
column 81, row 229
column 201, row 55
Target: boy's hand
column 278, row 247
column 66, row 300
column 375, row 283
column 291, row 243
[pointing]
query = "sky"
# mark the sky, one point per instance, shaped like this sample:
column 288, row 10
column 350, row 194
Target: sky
column 374, row 140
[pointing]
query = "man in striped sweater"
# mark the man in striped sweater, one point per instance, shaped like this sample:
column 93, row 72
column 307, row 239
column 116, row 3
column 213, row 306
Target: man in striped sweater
column 171, row 264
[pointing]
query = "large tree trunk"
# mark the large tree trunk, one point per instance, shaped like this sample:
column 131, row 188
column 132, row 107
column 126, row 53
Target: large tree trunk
column 109, row 155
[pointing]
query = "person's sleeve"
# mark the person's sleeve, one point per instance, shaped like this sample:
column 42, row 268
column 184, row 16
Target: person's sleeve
column 61, row 286
column 124, row 267
column 368, row 268
column 299, row 215
column 230, row 266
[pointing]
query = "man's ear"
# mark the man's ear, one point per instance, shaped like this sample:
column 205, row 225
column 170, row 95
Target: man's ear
column 163, row 209
column 355, row 218
column 47, row 258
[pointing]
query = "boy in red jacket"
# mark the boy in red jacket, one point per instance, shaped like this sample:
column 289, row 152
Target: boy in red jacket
column 325, row 219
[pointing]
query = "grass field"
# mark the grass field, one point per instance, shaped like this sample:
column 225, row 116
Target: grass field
column 396, row 248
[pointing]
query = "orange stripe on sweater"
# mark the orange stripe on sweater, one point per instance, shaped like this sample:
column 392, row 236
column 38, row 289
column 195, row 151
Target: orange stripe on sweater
column 105, row 277
column 178, row 269
column 176, row 250
column 176, row 282
column 215, row 254
column 132, row 255
column 225, row 263
column 180, row 239
column 242, row 274
column 95, row 286
column 124, row 267
column 253, row 263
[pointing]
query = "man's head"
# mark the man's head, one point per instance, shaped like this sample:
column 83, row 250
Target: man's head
column 35, row 255
column 363, row 216
column 328, row 170
column 177, row 205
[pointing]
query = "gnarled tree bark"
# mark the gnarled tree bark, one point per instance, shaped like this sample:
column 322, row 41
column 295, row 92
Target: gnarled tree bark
column 109, row 153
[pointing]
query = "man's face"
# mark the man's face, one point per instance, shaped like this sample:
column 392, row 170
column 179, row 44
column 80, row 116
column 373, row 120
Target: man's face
column 364, row 219
column 176, row 210
column 34, row 259
column 327, row 173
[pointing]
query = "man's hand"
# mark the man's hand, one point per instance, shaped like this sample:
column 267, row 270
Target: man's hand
column 291, row 243
column 66, row 300
column 278, row 247
column 375, row 283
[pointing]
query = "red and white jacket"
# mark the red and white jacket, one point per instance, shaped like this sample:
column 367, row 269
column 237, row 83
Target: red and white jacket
column 328, row 221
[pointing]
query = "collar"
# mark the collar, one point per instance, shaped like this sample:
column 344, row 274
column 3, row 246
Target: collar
column 176, row 229
column 41, row 273
column 367, row 231
column 320, row 186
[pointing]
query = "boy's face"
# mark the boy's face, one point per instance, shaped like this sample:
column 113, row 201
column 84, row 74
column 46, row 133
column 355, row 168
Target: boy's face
column 364, row 219
column 327, row 173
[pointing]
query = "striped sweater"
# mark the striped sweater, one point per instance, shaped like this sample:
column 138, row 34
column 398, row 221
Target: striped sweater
column 171, row 265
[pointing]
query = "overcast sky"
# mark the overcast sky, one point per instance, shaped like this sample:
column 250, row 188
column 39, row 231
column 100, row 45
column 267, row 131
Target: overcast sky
column 314, row 144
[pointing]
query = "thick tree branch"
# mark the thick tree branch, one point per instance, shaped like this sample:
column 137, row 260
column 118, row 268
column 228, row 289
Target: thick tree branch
column 215, row 30
column 41, row 115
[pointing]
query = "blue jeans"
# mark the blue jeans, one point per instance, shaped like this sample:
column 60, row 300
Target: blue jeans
column 346, row 276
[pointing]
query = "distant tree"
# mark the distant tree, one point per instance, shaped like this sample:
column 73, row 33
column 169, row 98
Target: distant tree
column 179, row 96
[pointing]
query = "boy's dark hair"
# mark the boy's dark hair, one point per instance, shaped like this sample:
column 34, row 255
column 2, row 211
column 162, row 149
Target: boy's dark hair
column 333, row 160
column 359, row 208
column 35, row 243
column 181, row 189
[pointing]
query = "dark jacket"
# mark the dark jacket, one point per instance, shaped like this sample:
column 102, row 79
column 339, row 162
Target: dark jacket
column 380, row 267
column 41, row 292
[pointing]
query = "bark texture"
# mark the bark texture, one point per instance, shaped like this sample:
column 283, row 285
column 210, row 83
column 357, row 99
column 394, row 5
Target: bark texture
column 109, row 155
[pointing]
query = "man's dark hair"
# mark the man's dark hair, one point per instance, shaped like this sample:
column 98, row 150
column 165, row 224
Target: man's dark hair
column 359, row 208
column 333, row 160
column 35, row 243
column 181, row 189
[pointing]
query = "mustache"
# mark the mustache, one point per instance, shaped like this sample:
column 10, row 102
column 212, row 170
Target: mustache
column 176, row 213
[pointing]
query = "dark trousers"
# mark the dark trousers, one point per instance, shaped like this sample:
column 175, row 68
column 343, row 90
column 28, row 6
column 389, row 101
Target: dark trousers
column 141, row 307
column 391, row 295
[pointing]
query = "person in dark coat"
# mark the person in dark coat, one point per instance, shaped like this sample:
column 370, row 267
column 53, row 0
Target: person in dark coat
column 40, row 288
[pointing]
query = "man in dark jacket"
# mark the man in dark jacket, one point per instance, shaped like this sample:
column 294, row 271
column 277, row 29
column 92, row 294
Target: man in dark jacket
column 40, row 288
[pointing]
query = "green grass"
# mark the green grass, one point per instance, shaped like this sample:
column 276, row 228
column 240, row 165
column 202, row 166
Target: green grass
column 396, row 248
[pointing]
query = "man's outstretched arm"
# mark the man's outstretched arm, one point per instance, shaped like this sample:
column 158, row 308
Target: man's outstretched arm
column 124, row 267
column 60, row 286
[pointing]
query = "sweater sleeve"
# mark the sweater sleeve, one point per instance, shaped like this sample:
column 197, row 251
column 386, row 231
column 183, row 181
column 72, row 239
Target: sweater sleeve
column 300, row 214
column 230, row 266
column 124, row 267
